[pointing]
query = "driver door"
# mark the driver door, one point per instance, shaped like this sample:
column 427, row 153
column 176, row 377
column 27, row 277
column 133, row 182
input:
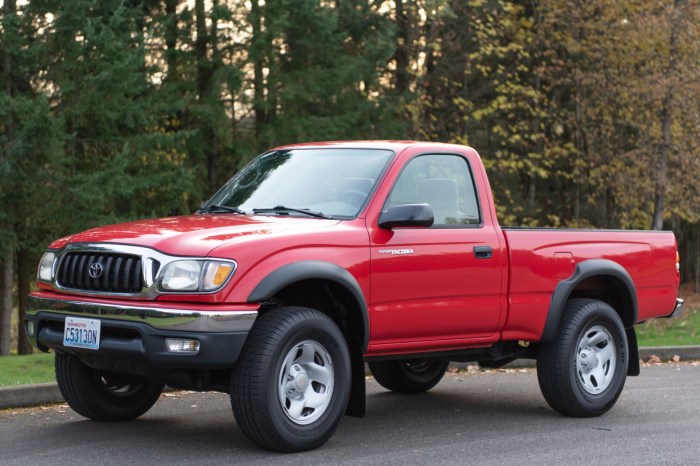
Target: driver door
column 438, row 287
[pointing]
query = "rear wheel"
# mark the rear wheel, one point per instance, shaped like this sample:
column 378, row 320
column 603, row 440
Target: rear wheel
column 583, row 371
column 102, row 395
column 409, row 375
column 291, row 383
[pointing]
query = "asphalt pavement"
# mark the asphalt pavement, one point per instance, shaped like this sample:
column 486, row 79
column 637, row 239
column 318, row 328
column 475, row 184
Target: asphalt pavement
column 494, row 417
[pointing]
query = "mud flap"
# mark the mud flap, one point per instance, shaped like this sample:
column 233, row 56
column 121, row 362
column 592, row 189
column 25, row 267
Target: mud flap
column 357, row 402
column 633, row 364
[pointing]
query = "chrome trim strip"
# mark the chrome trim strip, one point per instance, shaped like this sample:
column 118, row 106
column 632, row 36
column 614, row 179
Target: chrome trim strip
column 148, row 257
column 158, row 318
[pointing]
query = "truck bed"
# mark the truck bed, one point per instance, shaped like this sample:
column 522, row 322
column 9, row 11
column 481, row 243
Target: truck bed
column 537, row 255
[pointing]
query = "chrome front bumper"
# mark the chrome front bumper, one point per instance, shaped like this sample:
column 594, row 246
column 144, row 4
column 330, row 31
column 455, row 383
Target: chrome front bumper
column 133, row 337
column 215, row 321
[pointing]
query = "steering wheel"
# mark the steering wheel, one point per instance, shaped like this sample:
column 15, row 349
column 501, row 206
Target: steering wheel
column 353, row 197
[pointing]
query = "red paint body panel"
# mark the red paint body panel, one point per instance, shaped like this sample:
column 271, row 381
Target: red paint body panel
column 648, row 257
column 196, row 235
column 343, row 243
column 438, row 297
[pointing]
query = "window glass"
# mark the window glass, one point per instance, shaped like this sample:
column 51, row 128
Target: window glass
column 336, row 182
column 443, row 181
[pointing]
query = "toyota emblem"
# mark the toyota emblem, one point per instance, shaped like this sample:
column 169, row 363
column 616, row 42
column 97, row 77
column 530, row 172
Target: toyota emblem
column 95, row 270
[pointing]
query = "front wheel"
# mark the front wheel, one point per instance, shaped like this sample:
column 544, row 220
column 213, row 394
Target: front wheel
column 408, row 375
column 583, row 371
column 101, row 395
column 291, row 383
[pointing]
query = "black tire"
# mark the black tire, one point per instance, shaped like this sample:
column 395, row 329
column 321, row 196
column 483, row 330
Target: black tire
column 100, row 395
column 408, row 375
column 583, row 371
column 291, row 383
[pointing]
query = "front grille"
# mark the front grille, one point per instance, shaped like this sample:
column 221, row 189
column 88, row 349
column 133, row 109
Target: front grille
column 114, row 273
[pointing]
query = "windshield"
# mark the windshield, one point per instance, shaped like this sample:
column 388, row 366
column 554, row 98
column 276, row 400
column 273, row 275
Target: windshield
column 333, row 182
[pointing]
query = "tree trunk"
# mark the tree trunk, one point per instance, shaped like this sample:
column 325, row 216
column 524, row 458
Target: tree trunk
column 401, row 56
column 6, row 269
column 666, row 116
column 580, row 135
column 662, row 167
column 24, row 278
column 531, row 191
column 697, row 261
column 272, row 83
column 9, row 9
column 200, row 46
column 205, row 89
column 539, row 145
column 213, row 98
column 579, row 148
column 577, row 202
column 258, row 57
column 171, row 38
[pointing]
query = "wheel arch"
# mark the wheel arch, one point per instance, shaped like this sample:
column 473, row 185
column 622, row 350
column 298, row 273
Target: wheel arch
column 279, row 280
column 600, row 279
column 334, row 291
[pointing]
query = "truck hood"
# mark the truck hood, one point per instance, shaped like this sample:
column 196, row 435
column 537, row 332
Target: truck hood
column 195, row 235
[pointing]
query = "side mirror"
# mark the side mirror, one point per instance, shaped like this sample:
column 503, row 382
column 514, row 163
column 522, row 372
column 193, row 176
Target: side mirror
column 407, row 215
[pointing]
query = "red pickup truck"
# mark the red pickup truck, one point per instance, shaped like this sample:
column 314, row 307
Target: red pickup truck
column 317, row 258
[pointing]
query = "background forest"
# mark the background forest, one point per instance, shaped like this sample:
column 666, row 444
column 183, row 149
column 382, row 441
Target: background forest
column 585, row 112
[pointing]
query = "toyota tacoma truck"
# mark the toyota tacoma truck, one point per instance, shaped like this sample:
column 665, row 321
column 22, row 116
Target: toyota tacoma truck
column 315, row 259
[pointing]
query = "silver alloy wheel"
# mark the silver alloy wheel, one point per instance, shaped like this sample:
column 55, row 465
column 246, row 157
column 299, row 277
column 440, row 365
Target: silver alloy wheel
column 305, row 383
column 595, row 359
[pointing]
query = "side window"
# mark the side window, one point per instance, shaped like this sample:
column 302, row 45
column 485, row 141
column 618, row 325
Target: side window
column 443, row 181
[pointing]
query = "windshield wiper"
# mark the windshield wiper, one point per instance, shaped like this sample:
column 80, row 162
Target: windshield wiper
column 281, row 208
column 214, row 207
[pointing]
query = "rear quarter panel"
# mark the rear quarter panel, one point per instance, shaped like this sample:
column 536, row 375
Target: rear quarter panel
column 648, row 256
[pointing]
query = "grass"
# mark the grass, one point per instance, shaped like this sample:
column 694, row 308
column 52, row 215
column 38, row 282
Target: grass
column 674, row 332
column 26, row 369
column 677, row 332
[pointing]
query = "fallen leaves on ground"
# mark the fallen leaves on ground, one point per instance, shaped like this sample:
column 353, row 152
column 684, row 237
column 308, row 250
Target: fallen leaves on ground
column 653, row 359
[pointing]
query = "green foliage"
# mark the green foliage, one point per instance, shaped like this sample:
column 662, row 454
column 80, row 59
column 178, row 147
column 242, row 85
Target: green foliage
column 95, row 152
column 324, row 72
column 117, row 110
column 30, row 192
column 485, row 75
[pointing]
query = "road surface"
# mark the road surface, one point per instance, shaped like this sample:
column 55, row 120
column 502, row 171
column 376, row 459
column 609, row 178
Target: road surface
column 477, row 418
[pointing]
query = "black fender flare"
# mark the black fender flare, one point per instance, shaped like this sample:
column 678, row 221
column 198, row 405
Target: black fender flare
column 584, row 270
column 309, row 270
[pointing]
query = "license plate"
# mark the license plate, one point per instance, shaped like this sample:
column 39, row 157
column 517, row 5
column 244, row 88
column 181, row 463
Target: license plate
column 82, row 333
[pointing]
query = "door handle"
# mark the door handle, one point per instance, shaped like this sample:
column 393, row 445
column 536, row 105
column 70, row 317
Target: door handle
column 483, row 252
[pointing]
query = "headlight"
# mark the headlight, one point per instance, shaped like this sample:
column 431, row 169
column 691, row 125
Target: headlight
column 45, row 271
column 181, row 276
column 195, row 275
